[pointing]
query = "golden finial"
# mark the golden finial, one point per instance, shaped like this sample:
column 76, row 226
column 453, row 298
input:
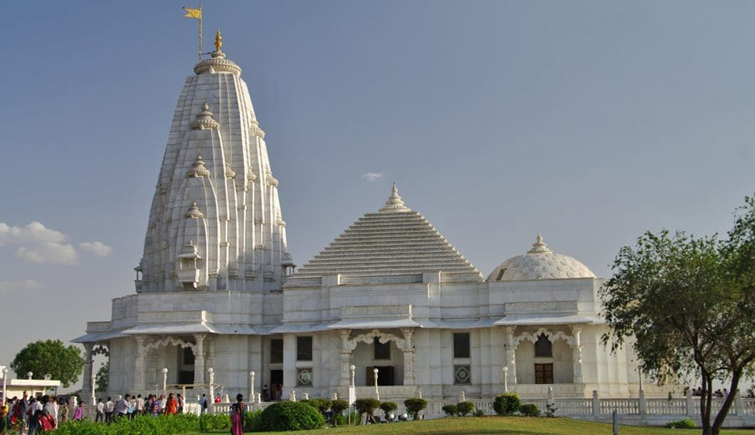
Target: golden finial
column 218, row 41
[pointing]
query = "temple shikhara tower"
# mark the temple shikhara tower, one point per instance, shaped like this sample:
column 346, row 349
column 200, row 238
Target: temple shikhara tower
column 217, row 296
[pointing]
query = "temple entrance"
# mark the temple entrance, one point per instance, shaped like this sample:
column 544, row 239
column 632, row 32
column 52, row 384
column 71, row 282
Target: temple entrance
column 276, row 384
column 385, row 375
column 186, row 365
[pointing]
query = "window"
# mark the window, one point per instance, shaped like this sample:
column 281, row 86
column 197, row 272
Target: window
column 304, row 348
column 382, row 350
column 276, row 351
column 188, row 356
column 461, row 345
column 543, row 373
column 543, row 347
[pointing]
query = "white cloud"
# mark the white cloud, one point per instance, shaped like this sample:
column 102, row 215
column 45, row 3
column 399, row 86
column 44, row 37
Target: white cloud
column 372, row 176
column 35, row 232
column 27, row 284
column 97, row 248
column 48, row 252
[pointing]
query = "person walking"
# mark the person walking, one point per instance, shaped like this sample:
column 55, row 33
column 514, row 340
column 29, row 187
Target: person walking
column 171, row 405
column 139, row 408
column 63, row 412
column 78, row 414
column 121, row 407
column 100, row 414
column 237, row 416
column 109, row 409
column 203, row 404
column 3, row 416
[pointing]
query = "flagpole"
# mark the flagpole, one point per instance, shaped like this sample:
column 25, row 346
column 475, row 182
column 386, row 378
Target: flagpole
column 200, row 31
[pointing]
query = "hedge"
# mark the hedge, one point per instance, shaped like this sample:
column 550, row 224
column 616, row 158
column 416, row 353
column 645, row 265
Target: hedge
column 506, row 404
column 140, row 425
column 283, row 416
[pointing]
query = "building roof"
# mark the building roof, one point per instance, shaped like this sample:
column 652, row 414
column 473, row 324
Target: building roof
column 394, row 241
column 540, row 263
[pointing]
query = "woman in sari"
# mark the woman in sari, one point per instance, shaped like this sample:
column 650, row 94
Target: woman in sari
column 171, row 406
column 78, row 415
column 237, row 416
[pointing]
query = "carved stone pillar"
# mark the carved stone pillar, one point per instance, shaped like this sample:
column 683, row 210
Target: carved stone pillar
column 345, row 357
column 210, row 361
column 199, row 358
column 510, row 347
column 408, row 356
column 577, row 353
column 86, row 387
column 139, row 385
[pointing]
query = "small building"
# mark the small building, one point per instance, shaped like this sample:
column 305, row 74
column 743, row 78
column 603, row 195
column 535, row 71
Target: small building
column 33, row 387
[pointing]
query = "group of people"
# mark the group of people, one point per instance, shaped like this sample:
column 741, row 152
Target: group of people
column 38, row 414
column 130, row 406
column 44, row 413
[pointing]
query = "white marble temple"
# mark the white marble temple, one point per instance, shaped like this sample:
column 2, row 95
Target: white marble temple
column 215, row 289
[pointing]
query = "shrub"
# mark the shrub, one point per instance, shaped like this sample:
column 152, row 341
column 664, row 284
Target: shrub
column 506, row 404
column 355, row 418
column 465, row 408
column 388, row 407
column 212, row 422
column 167, row 425
column 529, row 410
column 367, row 406
column 479, row 413
column 283, row 416
column 414, row 406
column 550, row 410
column 450, row 410
column 684, row 423
column 338, row 407
column 252, row 421
column 321, row 405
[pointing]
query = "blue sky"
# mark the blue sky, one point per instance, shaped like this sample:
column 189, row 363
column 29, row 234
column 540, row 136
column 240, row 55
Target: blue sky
column 588, row 121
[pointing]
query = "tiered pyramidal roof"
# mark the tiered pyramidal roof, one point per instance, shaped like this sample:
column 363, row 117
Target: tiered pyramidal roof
column 394, row 241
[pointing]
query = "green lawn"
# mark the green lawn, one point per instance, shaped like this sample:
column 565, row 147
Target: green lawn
column 499, row 425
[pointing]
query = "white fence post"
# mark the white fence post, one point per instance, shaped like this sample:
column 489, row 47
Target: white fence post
column 738, row 405
column 595, row 403
column 690, row 405
column 642, row 404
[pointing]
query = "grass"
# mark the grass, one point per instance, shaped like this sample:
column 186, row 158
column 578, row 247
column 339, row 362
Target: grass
column 497, row 425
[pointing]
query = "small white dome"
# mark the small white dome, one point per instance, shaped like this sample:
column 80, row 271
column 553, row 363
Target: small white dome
column 540, row 263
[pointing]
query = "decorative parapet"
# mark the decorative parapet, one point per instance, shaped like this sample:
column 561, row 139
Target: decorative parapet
column 541, row 307
column 377, row 311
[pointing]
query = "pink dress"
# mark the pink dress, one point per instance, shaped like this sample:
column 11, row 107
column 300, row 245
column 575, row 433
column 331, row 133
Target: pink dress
column 237, row 419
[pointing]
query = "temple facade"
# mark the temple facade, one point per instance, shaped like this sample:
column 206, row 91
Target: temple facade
column 388, row 302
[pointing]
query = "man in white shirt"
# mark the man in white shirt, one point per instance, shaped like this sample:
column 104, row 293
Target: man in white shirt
column 139, row 405
column 109, row 409
column 100, row 411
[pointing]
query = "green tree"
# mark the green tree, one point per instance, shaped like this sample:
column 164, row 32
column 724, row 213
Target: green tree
column 687, row 305
column 414, row 405
column 102, row 379
column 49, row 357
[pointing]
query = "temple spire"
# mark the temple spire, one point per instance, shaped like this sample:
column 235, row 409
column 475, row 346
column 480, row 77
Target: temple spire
column 394, row 203
column 539, row 247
